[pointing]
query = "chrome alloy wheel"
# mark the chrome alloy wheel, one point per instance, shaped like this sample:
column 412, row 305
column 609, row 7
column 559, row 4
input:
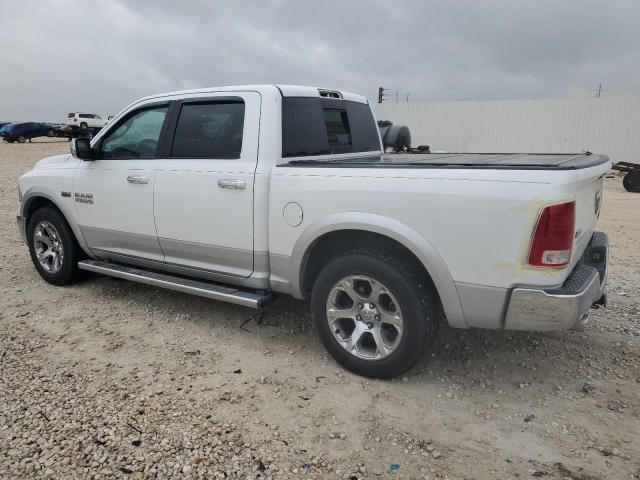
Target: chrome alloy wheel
column 47, row 244
column 364, row 317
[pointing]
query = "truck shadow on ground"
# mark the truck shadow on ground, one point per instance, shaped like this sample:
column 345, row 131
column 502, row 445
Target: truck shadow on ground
column 513, row 358
column 509, row 359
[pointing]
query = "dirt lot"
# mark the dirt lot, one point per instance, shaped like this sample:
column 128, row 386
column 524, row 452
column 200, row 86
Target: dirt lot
column 109, row 379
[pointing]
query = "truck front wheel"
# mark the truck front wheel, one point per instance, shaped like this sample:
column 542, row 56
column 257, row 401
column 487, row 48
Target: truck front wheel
column 374, row 314
column 53, row 247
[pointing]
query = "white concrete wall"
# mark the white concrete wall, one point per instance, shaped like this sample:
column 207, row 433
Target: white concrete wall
column 608, row 125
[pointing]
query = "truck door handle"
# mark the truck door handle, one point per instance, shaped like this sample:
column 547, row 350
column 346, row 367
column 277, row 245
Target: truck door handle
column 233, row 184
column 141, row 179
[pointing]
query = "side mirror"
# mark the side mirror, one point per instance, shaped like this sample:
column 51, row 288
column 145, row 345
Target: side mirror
column 81, row 148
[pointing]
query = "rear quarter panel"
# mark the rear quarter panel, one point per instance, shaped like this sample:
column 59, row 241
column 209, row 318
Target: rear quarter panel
column 478, row 221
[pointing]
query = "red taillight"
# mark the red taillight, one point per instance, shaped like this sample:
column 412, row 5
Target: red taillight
column 553, row 237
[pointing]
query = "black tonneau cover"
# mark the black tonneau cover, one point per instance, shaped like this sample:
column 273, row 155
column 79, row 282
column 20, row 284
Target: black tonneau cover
column 508, row 161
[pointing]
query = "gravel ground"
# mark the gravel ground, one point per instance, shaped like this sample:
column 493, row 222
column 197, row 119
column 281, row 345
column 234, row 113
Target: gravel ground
column 109, row 379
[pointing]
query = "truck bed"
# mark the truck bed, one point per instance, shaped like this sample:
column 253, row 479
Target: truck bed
column 508, row 161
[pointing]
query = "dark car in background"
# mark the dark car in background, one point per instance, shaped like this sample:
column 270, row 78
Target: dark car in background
column 21, row 132
column 4, row 127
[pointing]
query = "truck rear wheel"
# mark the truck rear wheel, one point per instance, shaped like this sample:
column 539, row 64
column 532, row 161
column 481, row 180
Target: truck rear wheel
column 53, row 247
column 373, row 313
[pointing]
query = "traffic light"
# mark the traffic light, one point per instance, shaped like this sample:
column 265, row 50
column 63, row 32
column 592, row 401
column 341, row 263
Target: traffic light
column 381, row 94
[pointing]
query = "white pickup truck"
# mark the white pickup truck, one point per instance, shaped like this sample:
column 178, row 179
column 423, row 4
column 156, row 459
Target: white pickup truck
column 236, row 192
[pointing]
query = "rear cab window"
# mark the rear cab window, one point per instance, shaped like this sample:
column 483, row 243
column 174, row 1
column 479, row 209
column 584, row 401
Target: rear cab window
column 327, row 126
column 338, row 131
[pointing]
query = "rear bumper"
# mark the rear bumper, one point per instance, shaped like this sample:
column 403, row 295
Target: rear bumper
column 565, row 307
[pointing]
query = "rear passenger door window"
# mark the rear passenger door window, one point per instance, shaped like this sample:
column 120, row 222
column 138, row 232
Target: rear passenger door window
column 209, row 130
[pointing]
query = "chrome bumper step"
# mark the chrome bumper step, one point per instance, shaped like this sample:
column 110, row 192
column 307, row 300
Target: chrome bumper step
column 566, row 306
column 178, row 284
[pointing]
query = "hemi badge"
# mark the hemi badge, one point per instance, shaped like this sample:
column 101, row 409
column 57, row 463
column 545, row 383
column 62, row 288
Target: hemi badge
column 66, row 194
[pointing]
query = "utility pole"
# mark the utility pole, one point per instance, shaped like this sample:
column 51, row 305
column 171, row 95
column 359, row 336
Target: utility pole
column 407, row 98
column 381, row 94
column 396, row 96
column 599, row 90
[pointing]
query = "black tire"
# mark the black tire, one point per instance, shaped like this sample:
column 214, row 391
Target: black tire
column 415, row 295
column 22, row 139
column 9, row 140
column 83, row 125
column 631, row 181
column 69, row 272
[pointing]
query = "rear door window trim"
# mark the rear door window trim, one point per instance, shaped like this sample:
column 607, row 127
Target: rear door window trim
column 172, row 122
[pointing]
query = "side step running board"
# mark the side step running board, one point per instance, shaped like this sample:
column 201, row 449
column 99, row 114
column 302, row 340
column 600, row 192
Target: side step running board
column 179, row 284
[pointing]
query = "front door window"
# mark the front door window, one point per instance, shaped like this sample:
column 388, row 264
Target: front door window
column 135, row 137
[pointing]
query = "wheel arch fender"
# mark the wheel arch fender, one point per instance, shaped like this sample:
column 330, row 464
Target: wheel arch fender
column 33, row 198
column 386, row 227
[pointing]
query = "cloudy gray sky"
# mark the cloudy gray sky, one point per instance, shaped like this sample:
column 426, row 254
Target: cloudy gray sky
column 64, row 55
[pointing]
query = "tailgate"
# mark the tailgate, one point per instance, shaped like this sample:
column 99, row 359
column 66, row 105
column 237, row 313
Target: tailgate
column 588, row 192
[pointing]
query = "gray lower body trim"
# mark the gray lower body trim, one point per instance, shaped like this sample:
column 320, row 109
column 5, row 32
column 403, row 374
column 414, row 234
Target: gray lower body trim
column 280, row 265
column 259, row 280
column 123, row 243
column 214, row 258
column 483, row 306
column 213, row 263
